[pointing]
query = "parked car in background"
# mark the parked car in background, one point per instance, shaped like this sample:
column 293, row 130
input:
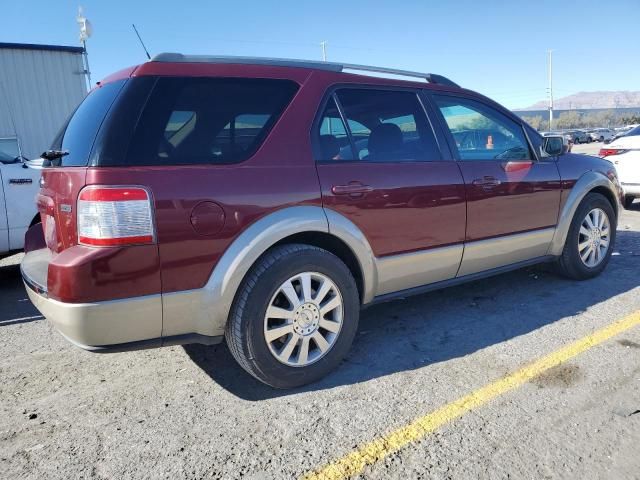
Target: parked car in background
column 264, row 201
column 601, row 134
column 17, row 199
column 620, row 132
column 578, row 136
column 624, row 153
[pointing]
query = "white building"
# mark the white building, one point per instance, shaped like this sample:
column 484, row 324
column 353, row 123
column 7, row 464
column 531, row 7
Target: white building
column 40, row 85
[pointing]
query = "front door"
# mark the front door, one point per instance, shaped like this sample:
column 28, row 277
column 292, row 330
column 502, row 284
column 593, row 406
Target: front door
column 383, row 171
column 513, row 197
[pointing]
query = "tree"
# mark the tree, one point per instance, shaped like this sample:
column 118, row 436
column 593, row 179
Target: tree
column 569, row 119
column 536, row 122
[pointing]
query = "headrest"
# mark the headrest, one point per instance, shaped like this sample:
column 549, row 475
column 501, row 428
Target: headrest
column 330, row 147
column 385, row 138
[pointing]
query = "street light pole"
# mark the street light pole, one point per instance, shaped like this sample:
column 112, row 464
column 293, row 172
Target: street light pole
column 550, row 90
column 323, row 44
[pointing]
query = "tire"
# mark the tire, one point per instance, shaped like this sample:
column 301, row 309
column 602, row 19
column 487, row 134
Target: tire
column 589, row 140
column 570, row 264
column 576, row 141
column 247, row 326
column 601, row 138
column 628, row 201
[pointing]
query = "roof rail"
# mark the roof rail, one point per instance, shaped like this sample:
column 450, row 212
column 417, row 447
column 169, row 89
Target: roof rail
column 287, row 62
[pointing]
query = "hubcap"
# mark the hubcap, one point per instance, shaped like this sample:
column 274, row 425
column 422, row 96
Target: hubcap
column 303, row 319
column 593, row 241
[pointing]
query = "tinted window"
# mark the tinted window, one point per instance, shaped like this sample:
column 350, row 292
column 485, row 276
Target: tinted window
column 387, row 126
column 207, row 121
column 481, row 132
column 81, row 130
column 333, row 142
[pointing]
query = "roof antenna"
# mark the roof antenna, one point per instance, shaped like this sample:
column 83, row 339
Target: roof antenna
column 141, row 42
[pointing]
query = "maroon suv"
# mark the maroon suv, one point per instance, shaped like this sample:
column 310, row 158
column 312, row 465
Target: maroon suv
column 191, row 199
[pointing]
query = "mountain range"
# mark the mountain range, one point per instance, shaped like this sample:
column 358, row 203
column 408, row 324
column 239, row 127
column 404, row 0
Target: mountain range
column 589, row 100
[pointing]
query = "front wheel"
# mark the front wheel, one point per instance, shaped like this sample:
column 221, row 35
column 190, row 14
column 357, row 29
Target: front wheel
column 294, row 317
column 590, row 239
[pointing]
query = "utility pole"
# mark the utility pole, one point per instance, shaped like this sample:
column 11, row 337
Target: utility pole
column 550, row 90
column 85, row 32
column 323, row 44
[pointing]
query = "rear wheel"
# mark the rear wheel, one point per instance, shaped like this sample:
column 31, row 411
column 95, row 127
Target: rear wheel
column 628, row 201
column 590, row 239
column 294, row 317
column 601, row 138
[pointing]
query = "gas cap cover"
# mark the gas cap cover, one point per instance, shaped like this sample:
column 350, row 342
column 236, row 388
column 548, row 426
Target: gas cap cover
column 207, row 218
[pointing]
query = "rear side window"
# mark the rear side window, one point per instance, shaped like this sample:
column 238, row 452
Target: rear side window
column 481, row 132
column 207, row 121
column 79, row 133
column 384, row 126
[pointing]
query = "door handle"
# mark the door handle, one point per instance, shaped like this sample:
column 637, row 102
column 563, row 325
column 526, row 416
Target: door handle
column 355, row 188
column 486, row 182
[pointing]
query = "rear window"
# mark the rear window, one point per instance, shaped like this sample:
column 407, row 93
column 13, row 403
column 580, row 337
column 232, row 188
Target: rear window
column 79, row 133
column 206, row 121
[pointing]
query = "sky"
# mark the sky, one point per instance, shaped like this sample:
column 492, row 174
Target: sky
column 498, row 48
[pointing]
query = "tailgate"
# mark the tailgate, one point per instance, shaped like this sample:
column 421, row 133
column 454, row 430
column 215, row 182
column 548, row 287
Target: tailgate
column 56, row 204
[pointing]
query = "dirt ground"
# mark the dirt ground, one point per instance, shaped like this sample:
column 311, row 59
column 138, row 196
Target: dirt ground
column 191, row 412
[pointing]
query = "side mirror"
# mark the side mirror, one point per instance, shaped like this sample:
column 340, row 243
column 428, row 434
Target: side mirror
column 554, row 145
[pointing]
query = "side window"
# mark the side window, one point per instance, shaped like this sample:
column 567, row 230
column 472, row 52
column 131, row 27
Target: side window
column 385, row 126
column 334, row 143
column 482, row 133
column 207, row 120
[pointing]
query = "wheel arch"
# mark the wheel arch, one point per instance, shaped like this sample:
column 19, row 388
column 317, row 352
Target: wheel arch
column 336, row 246
column 589, row 182
column 206, row 310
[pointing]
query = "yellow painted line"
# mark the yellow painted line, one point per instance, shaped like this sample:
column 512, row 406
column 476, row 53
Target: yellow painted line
column 374, row 451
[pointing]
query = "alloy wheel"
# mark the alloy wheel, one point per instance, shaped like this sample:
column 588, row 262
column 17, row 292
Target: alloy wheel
column 594, row 237
column 303, row 319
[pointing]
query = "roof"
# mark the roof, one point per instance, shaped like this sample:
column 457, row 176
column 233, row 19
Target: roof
column 287, row 62
column 33, row 46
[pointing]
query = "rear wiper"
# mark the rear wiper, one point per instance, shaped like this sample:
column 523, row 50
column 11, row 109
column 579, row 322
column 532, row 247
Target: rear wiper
column 51, row 155
column 54, row 154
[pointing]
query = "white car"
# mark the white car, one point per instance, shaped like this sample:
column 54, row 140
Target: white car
column 18, row 210
column 624, row 153
column 602, row 134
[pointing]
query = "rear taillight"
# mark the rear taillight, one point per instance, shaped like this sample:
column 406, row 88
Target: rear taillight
column 607, row 152
column 109, row 216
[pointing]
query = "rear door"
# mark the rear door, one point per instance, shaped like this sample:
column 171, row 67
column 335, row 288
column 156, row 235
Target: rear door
column 513, row 197
column 380, row 166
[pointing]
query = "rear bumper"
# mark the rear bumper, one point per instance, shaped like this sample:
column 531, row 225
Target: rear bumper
column 115, row 325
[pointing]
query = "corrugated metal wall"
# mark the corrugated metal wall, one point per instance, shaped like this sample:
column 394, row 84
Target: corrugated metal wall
column 39, row 88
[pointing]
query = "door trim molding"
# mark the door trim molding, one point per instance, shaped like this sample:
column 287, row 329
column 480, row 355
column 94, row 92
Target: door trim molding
column 459, row 280
column 483, row 255
column 409, row 270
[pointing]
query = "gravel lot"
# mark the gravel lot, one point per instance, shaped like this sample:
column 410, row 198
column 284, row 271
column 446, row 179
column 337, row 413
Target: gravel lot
column 190, row 412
